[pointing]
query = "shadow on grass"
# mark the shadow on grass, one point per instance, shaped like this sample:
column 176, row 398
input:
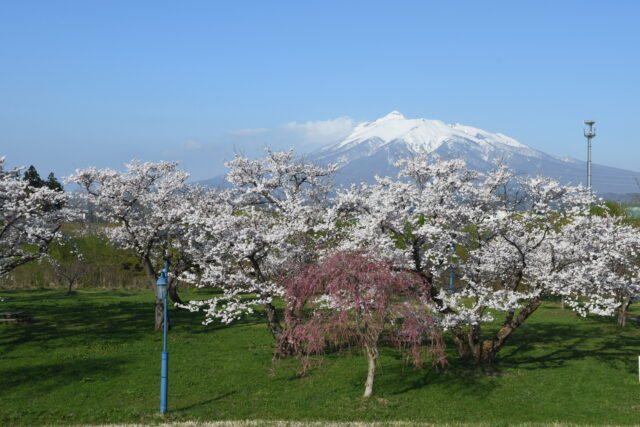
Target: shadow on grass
column 50, row 376
column 544, row 345
column 256, row 318
column 551, row 339
column 80, row 323
column 536, row 345
column 107, row 317
column 205, row 402
column 462, row 378
column 37, row 295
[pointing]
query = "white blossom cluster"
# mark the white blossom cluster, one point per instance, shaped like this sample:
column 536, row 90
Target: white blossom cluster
column 145, row 208
column 30, row 219
column 243, row 238
column 521, row 239
column 510, row 240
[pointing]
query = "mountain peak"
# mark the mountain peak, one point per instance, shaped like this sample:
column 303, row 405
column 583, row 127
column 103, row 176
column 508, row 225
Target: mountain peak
column 419, row 135
column 394, row 115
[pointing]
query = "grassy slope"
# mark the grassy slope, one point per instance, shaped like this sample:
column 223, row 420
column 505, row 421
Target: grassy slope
column 92, row 358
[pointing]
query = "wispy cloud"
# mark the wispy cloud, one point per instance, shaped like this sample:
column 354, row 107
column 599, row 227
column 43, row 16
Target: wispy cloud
column 203, row 156
column 303, row 136
column 322, row 131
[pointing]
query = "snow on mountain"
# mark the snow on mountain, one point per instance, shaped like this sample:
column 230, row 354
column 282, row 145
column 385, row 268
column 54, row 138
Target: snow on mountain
column 420, row 134
column 373, row 147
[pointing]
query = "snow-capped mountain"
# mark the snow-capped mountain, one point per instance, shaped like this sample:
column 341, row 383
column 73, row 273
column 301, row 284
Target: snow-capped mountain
column 373, row 147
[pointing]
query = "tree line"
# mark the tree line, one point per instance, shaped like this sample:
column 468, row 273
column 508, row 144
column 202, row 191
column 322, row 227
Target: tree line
column 356, row 265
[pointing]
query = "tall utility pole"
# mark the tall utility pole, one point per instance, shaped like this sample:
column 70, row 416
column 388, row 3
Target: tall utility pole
column 589, row 133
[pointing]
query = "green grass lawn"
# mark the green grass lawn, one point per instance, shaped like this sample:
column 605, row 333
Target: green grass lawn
column 92, row 357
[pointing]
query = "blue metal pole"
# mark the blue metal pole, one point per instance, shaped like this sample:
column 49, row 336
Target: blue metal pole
column 164, row 369
column 451, row 271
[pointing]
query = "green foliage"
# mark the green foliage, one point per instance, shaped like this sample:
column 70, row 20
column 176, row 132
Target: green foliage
column 33, row 177
column 616, row 209
column 53, row 183
column 35, row 181
column 92, row 358
column 61, row 252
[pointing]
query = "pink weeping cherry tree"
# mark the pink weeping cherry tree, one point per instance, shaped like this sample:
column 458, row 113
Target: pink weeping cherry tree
column 354, row 299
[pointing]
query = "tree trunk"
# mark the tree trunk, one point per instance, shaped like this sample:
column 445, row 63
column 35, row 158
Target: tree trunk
column 272, row 316
column 159, row 304
column 273, row 321
column 474, row 342
column 488, row 352
column 173, row 293
column 491, row 347
column 372, row 357
column 159, row 315
column 471, row 348
column 622, row 312
column 462, row 343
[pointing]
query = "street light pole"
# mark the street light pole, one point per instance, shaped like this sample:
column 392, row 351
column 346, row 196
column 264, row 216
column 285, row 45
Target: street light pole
column 451, row 272
column 162, row 285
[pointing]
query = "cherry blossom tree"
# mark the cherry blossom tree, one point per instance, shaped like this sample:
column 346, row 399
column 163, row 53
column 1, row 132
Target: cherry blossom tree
column 519, row 239
column 414, row 220
column 30, row 219
column 146, row 208
column 614, row 270
column 243, row 237
column 68, row 263
column 352, row 298
column 537, row 243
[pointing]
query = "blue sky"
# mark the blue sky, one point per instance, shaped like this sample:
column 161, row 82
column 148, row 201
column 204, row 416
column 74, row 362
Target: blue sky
column 87, row 83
